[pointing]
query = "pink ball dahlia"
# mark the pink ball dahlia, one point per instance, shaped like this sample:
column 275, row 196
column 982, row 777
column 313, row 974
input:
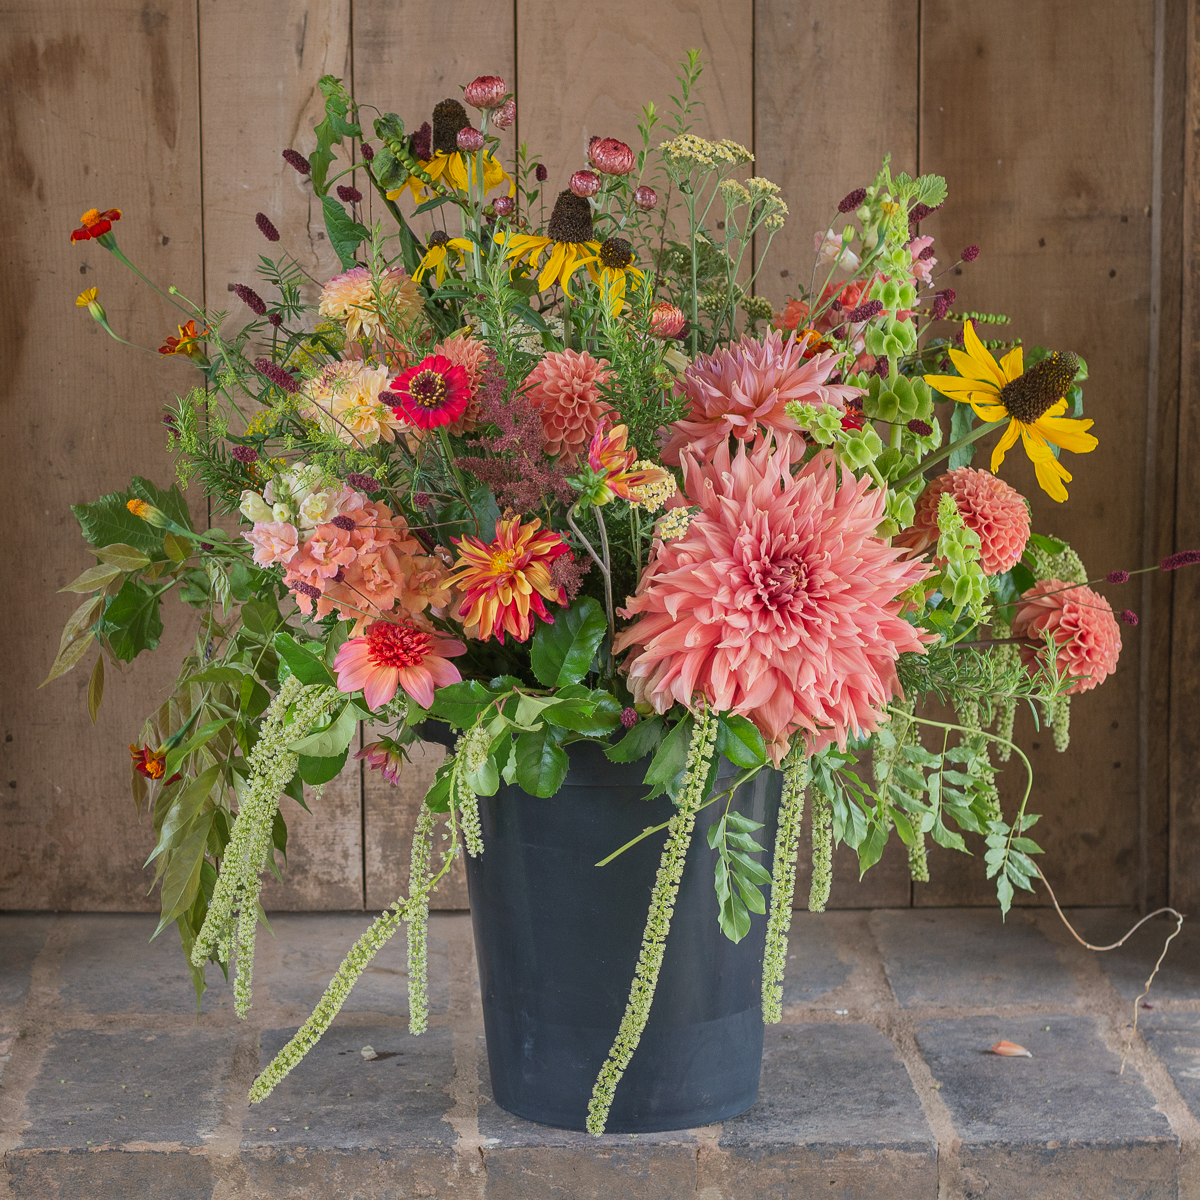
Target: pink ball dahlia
column 566, row 394
column 989, row 506
column 778, row 603
column 739, row 390
column 1085, row 631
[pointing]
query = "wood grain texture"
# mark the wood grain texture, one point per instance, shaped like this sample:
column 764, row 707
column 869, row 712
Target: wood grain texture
column 1017, row 112
column 1185, row 633
column 98, row 111
column 822, row 125
column 586, row 71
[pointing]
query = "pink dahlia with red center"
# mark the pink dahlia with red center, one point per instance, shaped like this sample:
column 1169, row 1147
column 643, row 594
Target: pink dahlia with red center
column 393, row 655
column 741, row 392
column 989, row 506
column 1086, row 634
column 778, row 603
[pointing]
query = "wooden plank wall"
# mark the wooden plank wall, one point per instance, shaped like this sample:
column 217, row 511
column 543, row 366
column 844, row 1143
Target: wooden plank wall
column 1060, row 130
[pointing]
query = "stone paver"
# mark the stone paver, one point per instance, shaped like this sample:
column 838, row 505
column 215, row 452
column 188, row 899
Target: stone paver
column 877, row 1084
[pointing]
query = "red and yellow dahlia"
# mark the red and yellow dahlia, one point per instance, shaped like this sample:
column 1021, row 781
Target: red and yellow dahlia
column 778, row 602
column 434, row 392
column 393, row 655
column 622, row 475
column 507, row 582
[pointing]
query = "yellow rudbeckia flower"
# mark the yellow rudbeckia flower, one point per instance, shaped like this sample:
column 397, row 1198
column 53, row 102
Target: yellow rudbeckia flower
column 614, row 260
column 569, row 240
column 456, row 170
column 435, row 257
column 1031, row 401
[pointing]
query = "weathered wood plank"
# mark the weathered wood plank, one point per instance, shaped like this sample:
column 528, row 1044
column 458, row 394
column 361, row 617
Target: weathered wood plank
column 1042, row 125
column 835, row 89
column 100, row 110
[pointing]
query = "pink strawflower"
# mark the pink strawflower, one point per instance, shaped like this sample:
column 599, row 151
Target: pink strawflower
column 989, row 506
column 273, row 542
column 610, row 156
column 1085, row 631
column 487, row 91
column 393, row 655
column 385, row 757
column 778, row 603
column 741, row 391
column 566, row 393
column 667, row 320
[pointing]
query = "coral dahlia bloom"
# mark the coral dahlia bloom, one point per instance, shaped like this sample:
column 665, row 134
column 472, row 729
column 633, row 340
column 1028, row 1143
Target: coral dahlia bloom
column 777, row 603
column 566, row 393
column 506, row 583
column 741, row 390
column 362, row 301
column 989, row 506
column 393, row 655
column 1085, row 631
column 435, row 392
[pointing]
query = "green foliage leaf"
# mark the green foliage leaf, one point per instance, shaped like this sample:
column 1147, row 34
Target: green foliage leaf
column 541, row 763
column 184, row 806
column 330, row 132
column 302, row 663
column 93, row 579
column 461, row 703
column 345, row 233
column 562, row 653
column 132, row 622
column 665, row 772
column 638, row 742
column 737, row 877
column 321, row 770
column 962, row 421
column 330, row 741
column 181, row 880
column 740, row 741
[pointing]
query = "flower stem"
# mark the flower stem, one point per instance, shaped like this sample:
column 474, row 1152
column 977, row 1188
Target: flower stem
column 946, row 451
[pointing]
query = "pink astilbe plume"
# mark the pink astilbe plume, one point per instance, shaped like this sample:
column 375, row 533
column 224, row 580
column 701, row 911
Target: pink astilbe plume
column 741, row 391
column 778, row 603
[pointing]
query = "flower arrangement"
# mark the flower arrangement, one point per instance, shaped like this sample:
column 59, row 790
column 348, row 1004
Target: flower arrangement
column 556, row 478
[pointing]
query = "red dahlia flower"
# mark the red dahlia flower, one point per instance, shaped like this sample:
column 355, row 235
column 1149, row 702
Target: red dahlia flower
column 435, row 392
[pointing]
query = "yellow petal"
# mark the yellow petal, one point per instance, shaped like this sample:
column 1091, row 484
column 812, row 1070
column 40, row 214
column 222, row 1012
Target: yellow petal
column 575, row 260
column 1057, row 409
column 1068, row 433
column 553, row 266
column 1049, row 471
column 970, row 368
column 952, row 386
column 980, row 353
column 988, row 412
column 1012, row 364
column 1005, row 444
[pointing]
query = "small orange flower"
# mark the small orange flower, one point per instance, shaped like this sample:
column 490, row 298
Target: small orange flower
column 94, row 224
column 505, row 582
column 609, row 457
column 187, row 343
column 151, row 763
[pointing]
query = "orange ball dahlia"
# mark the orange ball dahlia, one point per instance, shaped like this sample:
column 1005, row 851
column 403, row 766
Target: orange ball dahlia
column 778, row 603
column 566, row 393
column 989, row 506
column 472, row 355
column 1085, row 631
column 741, row 390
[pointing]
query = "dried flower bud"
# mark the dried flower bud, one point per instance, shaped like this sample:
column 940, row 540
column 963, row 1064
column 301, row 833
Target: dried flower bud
column 926, row 254
column 505, row 115
column 864, row 312
column 540, row 173
column 629, row 717
column 305, row 589
column 585, row 183
column 368, row 151
column 504, row 206
column 420, row 145
column 362, row 483
column 485, row 92
column 277, row 375
column 853, row 200
column 341, row 574
column 244, row 454
column 344, row 522
column 610, row 156
column 1183, row 558
column 470, row 140
column 646, row 197
column 1129, row 617
column 274, row 319
column 1117, row 577
column 265, row 227
column 251, row 299
column 970, row 254
column 297, row 160
column 349, row 195
column 666, row 320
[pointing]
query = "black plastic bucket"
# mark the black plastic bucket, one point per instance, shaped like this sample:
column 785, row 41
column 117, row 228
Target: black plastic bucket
column 557, row 940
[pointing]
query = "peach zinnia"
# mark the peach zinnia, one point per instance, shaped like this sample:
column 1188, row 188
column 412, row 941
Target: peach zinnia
column 398, row 655
column 506, row 583
column 989, row 506
column 777, row 603
column 741, row 391
column 1085, row 631
column 566, row 393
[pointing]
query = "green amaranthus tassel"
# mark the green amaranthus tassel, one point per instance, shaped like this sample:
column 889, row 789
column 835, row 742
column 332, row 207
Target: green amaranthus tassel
column 783, row 881
column 658, row 921
column 822, row 851
column 416, row 917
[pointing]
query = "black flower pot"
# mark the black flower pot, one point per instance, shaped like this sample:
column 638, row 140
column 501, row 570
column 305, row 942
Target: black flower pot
column 557, row 940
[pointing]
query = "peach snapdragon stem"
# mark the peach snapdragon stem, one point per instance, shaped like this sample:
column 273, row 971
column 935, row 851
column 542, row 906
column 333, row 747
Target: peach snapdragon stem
column 946, row 451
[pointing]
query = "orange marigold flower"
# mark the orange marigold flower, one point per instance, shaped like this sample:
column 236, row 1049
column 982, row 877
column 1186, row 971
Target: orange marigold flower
column 506, row 583
column 151, row 763
column 94, row 223
column 187, row 343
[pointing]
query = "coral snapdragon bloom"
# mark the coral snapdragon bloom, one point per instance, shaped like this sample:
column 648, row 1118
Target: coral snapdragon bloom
column 187, row 343
column 1031, row 401
column 507, row 582
column 622, row 475
column 397, row 655
column 777, row 602
column 94, row 224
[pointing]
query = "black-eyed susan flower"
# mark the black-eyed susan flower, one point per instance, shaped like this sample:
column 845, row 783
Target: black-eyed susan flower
column 1031, row 401
column 440, row 245
column 568, row 239
column 613, row 262
column 95, row 224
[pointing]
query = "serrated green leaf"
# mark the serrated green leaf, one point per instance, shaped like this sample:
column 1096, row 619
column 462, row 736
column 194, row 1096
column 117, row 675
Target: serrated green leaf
column 461, row 703
column 132, row 622
column 302, row 663
column 740, row 741
column 871, row 849
column 184, row 806
column 541, row 763
column 331, row 741
column 315, row 771
column 638, row 742
column 202, row 735
column 962, row 421
column 562, row 653
column 345, row 233
column 1004, row 893
column 667, row 766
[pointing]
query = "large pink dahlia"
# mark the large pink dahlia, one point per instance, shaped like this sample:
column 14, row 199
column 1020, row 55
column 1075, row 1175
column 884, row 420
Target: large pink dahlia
column 1086, row 633
column 742, row 389
column 779, row 603
column 989, row 506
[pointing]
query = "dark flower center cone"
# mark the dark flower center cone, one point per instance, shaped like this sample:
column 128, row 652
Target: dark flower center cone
column 571, row 220
column 1031, row 395
column 448, row 118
